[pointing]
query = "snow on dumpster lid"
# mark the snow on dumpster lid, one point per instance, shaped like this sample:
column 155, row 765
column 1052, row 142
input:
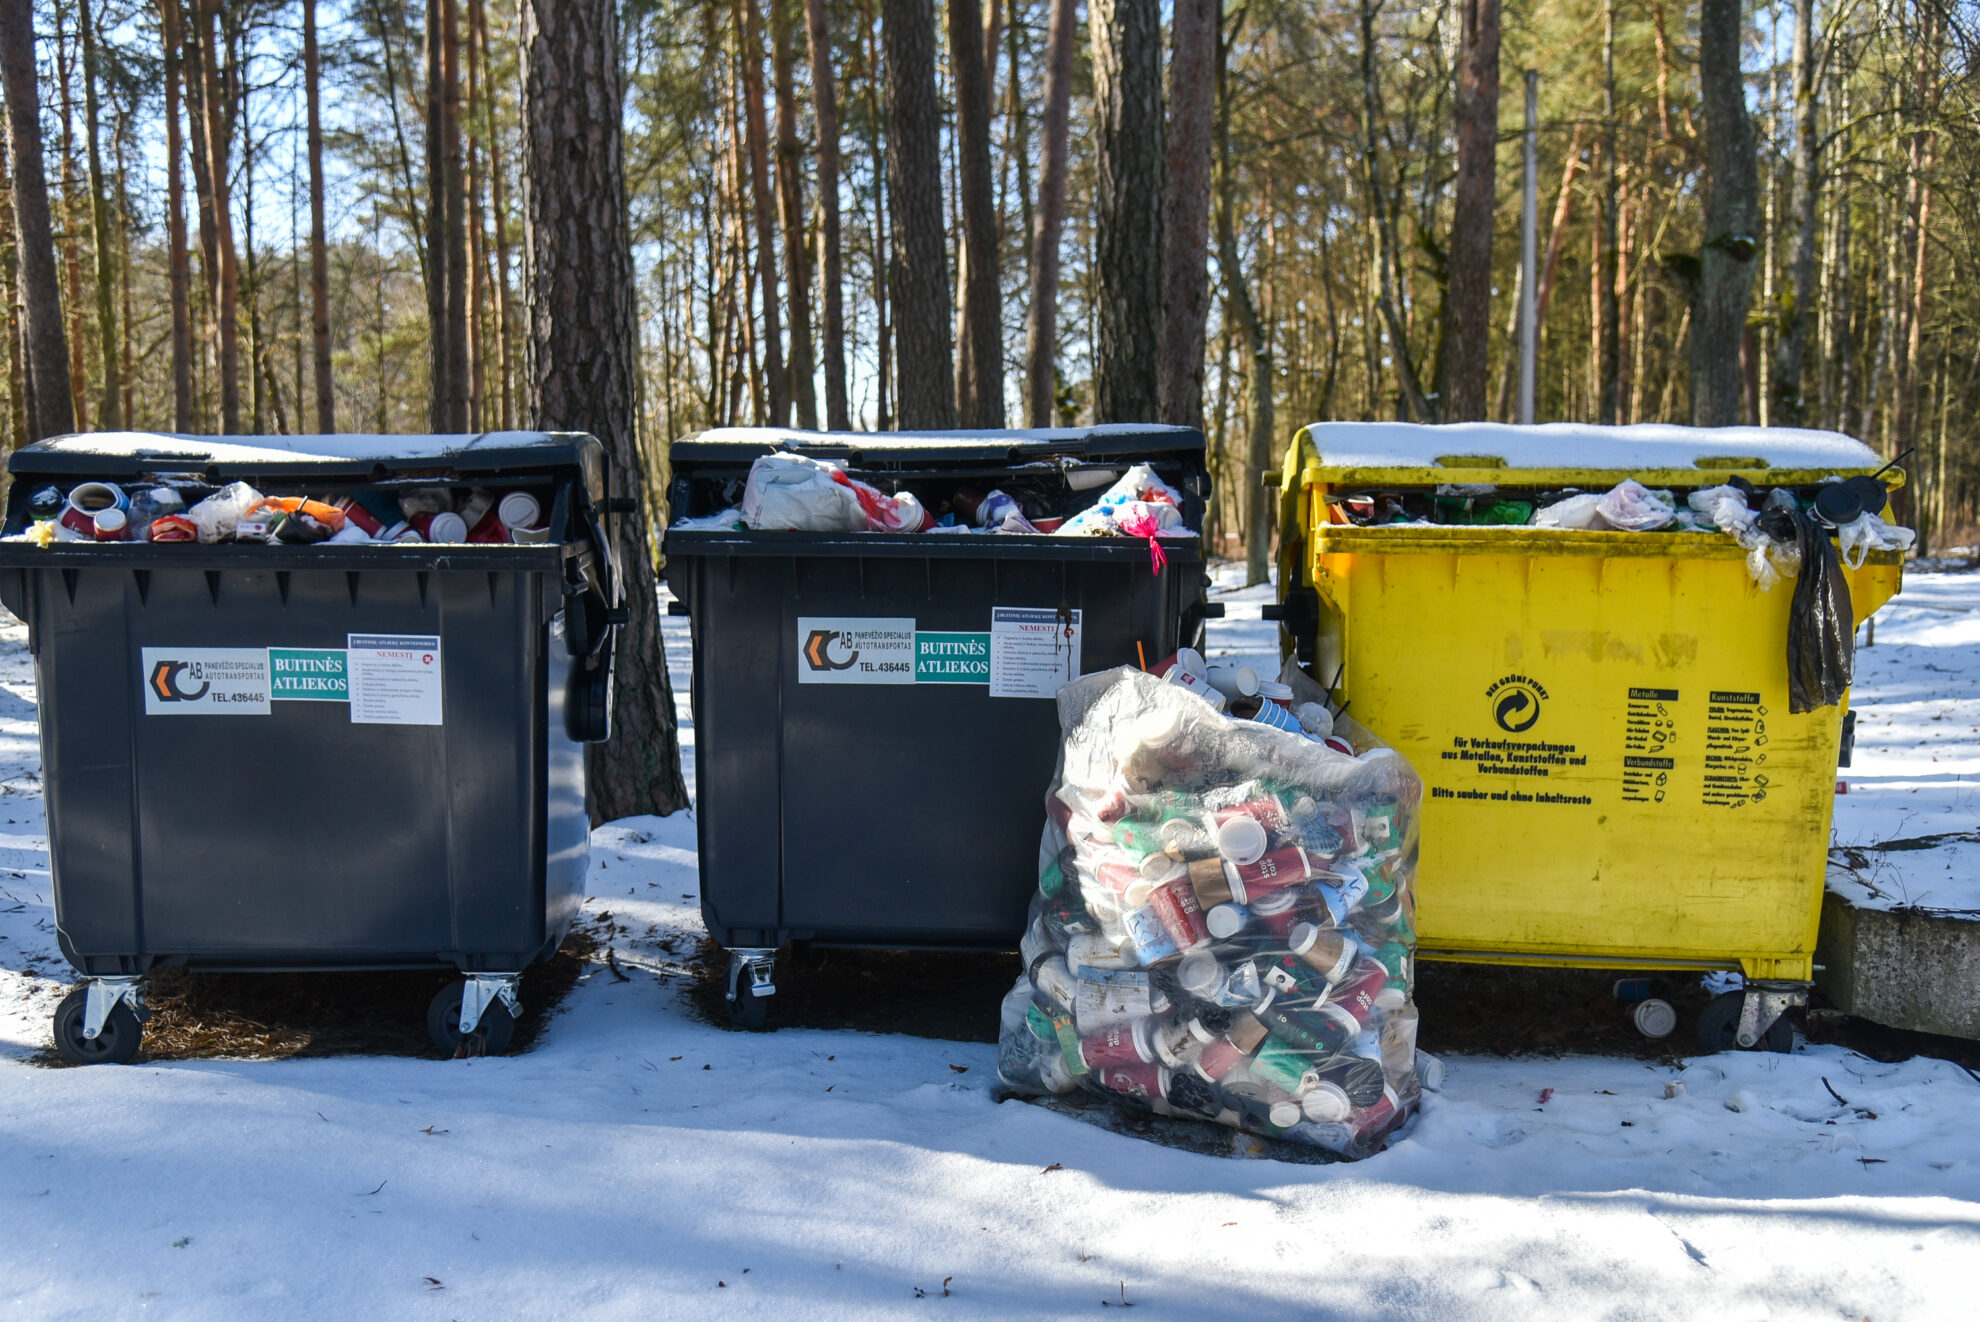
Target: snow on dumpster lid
column 1556, row 445
column 1105, row 442
column 341, row 447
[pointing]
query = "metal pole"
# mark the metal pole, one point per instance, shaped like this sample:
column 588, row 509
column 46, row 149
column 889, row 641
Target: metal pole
column 1529, row 264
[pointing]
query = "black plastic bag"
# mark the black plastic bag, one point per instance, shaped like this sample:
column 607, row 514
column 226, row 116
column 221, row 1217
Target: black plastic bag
column 1821, row 642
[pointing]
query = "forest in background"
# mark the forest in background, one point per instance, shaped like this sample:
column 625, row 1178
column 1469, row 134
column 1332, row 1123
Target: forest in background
column 912, row 213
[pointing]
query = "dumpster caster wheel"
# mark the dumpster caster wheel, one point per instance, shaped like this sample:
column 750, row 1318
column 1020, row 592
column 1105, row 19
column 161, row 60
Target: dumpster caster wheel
column 116, row 1044
column 1718, row 1027
column 750, row 989
column 443, row 1024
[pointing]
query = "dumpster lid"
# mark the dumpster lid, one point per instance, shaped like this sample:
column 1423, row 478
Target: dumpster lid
column 1577, row 453
column 1111, row 441
column 129, row 454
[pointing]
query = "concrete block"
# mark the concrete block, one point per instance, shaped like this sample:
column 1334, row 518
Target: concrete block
column 1914, row 971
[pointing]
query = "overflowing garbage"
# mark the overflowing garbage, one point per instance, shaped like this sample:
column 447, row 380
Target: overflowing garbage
column 787, row 492
column 1224, row 926
column 186, row 510
column 1761, row 521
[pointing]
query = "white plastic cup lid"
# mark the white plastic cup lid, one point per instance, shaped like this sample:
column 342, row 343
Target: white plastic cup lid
column 1327, row 1102
column 447, row 526
column 1655, row 1018
column 1241, row 840
column 1188, row 658
column 519, row 509
column 111, row 520
column 1199, row 973
column 1286, row 1114
column 1273, row 691
column 1224, row 920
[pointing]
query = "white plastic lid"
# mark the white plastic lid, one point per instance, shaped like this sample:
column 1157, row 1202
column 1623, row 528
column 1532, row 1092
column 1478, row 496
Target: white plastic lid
column 1199, row 973
column 111, row 520
column 1327, row 1102
column 1241, row 839
column 1224, row 920
column 447, row 527
column 1286, row 1114
column 519, row 509
column 1273, row 691
column 1655, row 1018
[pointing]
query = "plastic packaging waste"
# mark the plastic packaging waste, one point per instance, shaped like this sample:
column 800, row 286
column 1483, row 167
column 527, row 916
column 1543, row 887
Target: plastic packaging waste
column 1224, row 927
column 1867, row 533
column 1630, row 506
column 1139, row 485
column 219, row 515
column 1821, row 641
column 796, row 493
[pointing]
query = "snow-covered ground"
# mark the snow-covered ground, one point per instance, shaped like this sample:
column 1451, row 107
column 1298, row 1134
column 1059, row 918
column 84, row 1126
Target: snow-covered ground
column 639, row 1163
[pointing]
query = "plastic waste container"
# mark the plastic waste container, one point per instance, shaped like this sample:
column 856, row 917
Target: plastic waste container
column 874, row 717
column 329, row 752
column 1612, row 773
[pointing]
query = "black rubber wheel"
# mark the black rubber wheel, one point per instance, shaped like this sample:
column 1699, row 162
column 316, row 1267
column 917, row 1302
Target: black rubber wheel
column 443, row 1025
column 115, row 1045
column 1718, row 1027
column 747, row 1010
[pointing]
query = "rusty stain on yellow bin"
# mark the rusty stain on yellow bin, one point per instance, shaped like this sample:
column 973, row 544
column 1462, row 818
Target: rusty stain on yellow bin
column 1611, row 774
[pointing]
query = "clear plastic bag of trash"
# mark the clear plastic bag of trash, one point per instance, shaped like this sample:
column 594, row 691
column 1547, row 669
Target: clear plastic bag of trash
column 1224, row 926
column 1629, row 506
column 219, row 514
column 1138, row 486
column 1867, row 533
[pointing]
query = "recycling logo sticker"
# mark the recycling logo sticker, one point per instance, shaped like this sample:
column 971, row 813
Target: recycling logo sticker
column 1516, row 701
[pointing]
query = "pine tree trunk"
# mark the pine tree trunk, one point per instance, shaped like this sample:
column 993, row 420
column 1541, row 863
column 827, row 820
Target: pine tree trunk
column 790, row 192
column 1732, row 220
column 1126, row 37
column 476, row 272
column 102, row 238
column 1186, row 208
column 763, row 211
column 825, row 108
column 583, row 336
column 13, row 432
column 1041, row 389
column 498, row 205
column 47, row 350
column 1608, row 313
column 72, row 228
column 319, row 256
column 219, row 136
column 980, row 344
column 437, row 357
column 1468, row 302
column 1790, row 354
column 883, row 339
column 454, row 230
column 1259, row 422
column 919, row 275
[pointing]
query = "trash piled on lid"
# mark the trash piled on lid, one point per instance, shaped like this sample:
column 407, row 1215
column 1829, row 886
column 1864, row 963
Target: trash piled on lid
column 1224, row 927
column 1851, row 508
column 788, row 492
column 191, row 511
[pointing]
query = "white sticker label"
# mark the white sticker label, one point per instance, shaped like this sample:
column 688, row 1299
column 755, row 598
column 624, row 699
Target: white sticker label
column 1033, row 652
column 394, row 678
column 856, row 649
column 205, row 681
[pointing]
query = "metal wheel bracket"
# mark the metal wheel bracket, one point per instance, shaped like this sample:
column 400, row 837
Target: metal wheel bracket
column 759, row 963
column 1763, row 1003
column 484, row 989
column 103, row 996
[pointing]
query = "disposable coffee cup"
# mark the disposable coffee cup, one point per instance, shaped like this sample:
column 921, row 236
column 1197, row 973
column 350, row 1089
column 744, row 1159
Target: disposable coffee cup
column 1200, row 974
column 519, row 509
column 1328, row 1102
column 1212, row 884
column 529, row 536
column 1326, row 951
column 448, row 527
column 112, row 525
column 1241, row 839
column 1273, row 691
column 1224, row 920
column 1234, row 681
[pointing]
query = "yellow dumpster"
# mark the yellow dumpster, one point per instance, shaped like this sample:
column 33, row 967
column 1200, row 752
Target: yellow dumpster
column 1612, row 777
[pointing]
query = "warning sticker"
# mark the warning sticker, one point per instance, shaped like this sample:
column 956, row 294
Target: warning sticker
column 838, row 649
column 1034, row 652
column 205, row 681
column 393, row 678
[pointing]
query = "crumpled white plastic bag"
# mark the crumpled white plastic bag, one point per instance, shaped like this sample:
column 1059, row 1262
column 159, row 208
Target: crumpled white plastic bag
column 1629, row 506
column 791, row 492
column 1867, row 533
column 1573, row 512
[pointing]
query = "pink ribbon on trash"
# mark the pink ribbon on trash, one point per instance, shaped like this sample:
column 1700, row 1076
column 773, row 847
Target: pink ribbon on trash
column 1137, row 520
